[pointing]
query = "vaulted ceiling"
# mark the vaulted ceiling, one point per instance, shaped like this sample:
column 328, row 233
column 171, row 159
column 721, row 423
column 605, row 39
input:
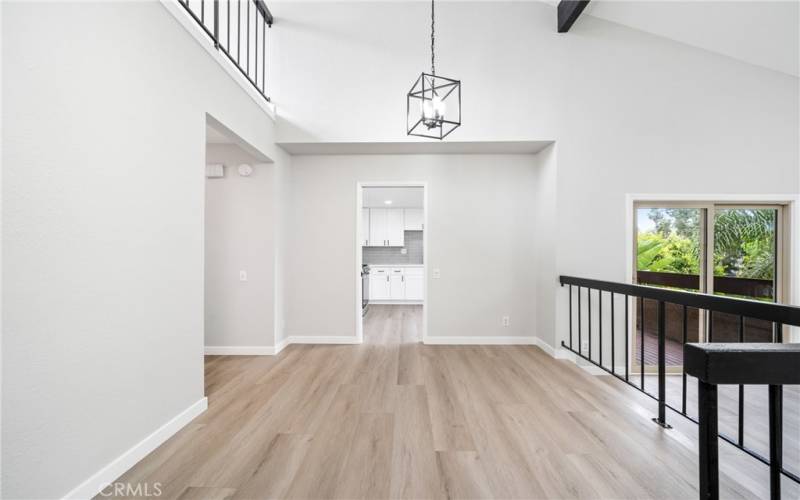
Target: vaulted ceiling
column 764, row 33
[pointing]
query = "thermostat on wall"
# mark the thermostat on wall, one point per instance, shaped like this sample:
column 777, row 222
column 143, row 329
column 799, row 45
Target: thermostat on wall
column 215, row 170
column 245, row 170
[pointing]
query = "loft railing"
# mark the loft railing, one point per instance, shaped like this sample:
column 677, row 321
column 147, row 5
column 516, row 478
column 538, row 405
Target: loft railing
column 238, row 29
column 702, row 314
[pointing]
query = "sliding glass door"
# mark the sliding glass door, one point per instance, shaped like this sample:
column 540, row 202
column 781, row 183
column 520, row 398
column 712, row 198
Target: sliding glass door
column 733, row 250
column 746, row 262
column 669, row 253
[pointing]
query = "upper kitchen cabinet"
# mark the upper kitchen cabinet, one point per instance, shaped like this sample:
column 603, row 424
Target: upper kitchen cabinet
column 414, row 219
column 364, row 227
column 386, row 227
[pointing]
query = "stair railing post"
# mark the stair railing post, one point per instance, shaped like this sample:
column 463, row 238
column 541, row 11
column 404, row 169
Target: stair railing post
column 775, row 440
column 709, row 445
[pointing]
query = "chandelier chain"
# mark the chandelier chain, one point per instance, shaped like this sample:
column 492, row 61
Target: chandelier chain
column 433, row 40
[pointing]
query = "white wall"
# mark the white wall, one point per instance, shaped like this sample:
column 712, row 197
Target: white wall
column 630, row 112
column 239, row 236
column 478, row 234
column 103, row 154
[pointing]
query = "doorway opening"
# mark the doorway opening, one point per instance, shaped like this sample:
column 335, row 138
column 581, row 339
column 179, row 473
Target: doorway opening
column 391, row 262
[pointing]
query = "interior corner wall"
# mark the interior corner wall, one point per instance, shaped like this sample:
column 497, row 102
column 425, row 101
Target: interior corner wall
column 240, row 235
column 546, row 237
column 103, row 134
column 480, row 223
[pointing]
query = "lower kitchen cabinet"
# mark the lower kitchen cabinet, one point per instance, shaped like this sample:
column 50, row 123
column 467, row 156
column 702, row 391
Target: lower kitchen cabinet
column 379, row 284
column 397, row 287
column 415, row 287
column 396, row 284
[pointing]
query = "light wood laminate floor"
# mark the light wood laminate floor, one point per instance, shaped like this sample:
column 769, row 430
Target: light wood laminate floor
column 393, row 418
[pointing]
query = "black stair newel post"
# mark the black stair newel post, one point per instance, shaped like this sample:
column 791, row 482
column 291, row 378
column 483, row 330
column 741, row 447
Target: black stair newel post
column 707, row 435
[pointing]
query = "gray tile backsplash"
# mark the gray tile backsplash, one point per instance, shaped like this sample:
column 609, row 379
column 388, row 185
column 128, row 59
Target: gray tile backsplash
column 392, row 255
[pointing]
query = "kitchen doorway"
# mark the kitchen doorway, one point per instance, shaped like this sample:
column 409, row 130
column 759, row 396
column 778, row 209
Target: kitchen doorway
column 391, row 262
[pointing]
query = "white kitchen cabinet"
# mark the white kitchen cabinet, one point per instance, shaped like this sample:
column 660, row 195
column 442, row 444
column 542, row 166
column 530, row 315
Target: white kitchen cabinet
column 377, row 227
column 397, row 287
column 395, row 232
column 386, row 227
column 365, row 226
column 397, row 284
column 415, row 287
column 414, row 219
column 379, row 284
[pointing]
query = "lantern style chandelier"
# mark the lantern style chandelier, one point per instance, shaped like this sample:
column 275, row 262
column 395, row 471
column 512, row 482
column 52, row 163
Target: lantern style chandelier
column 433, row 105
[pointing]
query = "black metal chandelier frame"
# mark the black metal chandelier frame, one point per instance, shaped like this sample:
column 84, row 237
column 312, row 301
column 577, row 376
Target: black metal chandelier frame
column 426, row 88
column 429, row 92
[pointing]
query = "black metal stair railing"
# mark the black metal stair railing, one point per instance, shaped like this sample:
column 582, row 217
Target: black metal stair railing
column 238, row 29
column 713, row 308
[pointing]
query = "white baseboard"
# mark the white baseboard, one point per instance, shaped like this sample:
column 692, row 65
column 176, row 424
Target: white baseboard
column 121, row 464
column 447, row 340
column 321, row 339
column 236, row 350
column 281, row 345
column 396, row 302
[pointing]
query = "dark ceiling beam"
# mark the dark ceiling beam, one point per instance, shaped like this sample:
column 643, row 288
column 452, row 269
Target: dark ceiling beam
column 568, row 12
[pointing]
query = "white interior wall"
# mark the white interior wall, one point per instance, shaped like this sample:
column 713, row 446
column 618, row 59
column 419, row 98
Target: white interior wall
column 480, row 221
column 103, row 154
column 630, row 112
column 545, row 237
column 239, row 236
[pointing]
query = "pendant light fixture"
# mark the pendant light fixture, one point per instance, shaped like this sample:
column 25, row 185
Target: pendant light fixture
column 433, row 105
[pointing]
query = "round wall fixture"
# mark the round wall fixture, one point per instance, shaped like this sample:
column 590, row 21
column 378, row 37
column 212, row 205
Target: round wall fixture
column 245, row 170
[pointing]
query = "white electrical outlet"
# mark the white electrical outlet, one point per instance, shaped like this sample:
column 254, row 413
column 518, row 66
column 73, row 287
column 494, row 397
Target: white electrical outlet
column 584, row 346
column 242, row 275
column 437, row 274
column 506, row 321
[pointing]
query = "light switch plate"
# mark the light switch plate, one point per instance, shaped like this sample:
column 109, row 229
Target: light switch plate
column 437, row 274
column 242, row 275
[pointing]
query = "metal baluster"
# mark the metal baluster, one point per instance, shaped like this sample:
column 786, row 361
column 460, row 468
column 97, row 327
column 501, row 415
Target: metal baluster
column 248, row 38
column 641, row 347
column 580, row 341
column 216, row 24
column 600, row 324
column 710, row 325
column 627, row 300
column 202, row 11
column 662, row 366
column 228, row 46
column 779, row 333
column 570, row 316
column 741, row 389
column 264, row 57
column 683, row 386
column 613, row 363
column 255, row 60
column 238, row 31
column 775, row 440
column 589, row 300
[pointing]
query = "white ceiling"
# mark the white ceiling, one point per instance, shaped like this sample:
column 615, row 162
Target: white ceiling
column 406, row 147
column 764, row 33
column 401, row 197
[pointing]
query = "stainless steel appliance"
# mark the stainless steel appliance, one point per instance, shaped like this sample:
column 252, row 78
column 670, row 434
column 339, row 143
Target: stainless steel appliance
column 364, row 289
